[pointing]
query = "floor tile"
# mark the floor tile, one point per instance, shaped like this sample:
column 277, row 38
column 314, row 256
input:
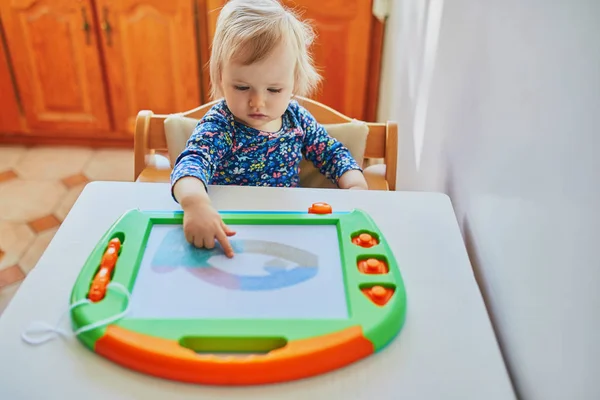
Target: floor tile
column 10, row 156
column 37, row 248
column 14, row 240
column 10, row 275
column 25, row 200
column 63, row 209
column 7, row 175
column 6, row 295
column 111, row 165
column 53, row 162
column 44, row 223
column 74, row 180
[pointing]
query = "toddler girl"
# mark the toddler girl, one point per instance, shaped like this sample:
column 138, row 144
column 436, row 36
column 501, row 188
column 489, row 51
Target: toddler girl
column 257, row 134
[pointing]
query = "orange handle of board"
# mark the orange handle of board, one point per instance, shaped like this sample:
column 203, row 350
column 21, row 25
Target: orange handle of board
column 107, row 264
column 166, row 358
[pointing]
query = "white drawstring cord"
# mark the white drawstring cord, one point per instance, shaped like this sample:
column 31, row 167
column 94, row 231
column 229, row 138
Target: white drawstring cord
column 46, row 332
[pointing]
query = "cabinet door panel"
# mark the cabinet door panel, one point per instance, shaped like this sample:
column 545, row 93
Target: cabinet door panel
column 151, row 57
column 341, row 50
column 10, row 117
column 56, row 64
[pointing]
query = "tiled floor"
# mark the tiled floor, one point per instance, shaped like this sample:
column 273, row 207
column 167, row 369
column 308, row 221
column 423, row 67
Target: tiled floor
column 38, row 187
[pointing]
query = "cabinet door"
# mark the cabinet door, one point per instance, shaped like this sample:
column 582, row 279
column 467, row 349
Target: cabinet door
column 151, row 57
column 345, row 50
column 10, row 116
column 56, row 64
column 341, row 50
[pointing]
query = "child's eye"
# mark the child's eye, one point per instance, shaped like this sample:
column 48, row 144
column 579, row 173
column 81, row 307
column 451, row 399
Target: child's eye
column 241, row 87
column 275, row 90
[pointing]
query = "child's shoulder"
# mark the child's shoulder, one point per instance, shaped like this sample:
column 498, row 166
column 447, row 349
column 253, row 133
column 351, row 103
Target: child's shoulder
column 301, row 114
column 219, row 112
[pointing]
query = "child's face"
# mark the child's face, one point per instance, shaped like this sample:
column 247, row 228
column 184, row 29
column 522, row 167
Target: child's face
column 258, row 94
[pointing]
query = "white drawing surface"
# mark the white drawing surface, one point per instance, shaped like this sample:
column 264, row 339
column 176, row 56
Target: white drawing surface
column 278, row 271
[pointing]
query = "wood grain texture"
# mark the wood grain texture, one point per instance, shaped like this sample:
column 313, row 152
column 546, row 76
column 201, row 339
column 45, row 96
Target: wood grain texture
column 57, row 64
column 341, row 51
column 10, row 116
column 151, row 57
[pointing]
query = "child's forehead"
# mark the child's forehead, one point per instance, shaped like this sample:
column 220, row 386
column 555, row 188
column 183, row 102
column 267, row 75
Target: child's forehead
column 268, row 73
column 279, row 64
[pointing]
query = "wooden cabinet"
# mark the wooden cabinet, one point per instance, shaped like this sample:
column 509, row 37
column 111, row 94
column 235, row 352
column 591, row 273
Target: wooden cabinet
column 57, row 65
column 150, row 51
column 342, row 51
column 78, row 71
column 10, row 115
column 347, row 51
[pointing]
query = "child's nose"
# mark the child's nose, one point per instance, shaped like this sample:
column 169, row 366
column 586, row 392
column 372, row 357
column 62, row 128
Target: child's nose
column 256, row 100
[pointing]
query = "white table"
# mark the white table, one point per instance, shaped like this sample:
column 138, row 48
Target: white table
column 446, row 350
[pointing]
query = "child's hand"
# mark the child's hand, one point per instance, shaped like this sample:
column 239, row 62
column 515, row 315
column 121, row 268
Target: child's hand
column 354, row 180
column 202, row 224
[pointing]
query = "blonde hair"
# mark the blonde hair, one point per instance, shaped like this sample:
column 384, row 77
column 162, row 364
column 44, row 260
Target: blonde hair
column 248, row 30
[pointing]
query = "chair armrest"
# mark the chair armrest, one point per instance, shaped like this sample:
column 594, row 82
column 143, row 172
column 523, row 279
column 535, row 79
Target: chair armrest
column 375, row 177
column 157, row 169
column 154, row 175
column 157, row 161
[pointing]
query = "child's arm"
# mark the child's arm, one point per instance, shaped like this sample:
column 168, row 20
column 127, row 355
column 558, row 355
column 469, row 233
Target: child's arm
column 329, row 155
column 202, row 224
column 209, row 142
column 353, row 179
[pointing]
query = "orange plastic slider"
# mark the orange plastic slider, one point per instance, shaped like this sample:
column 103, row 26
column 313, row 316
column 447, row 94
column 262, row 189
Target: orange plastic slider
column 109, row 259
column 99, row 285
column 115, row 243
column 107, row 265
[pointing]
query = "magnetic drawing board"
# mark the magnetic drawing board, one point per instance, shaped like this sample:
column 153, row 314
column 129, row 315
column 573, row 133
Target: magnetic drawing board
column 306, row 293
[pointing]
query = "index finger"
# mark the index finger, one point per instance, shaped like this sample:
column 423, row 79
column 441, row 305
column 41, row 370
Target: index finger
column 224, row 241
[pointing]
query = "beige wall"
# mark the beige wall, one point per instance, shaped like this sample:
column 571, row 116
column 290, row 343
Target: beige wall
column 509, row 119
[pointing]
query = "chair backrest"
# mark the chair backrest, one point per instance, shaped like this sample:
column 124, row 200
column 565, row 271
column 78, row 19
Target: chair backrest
column 382, row 140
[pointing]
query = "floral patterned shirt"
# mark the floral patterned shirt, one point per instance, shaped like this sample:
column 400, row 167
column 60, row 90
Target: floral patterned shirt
column 223, row 151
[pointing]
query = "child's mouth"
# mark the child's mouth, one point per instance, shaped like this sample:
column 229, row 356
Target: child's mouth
column 258, row 116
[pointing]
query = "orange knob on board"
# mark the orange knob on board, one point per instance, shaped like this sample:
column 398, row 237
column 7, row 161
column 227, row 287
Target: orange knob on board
column 373, row 264
column 320, row 208
column 378, row 294
column 364, row 240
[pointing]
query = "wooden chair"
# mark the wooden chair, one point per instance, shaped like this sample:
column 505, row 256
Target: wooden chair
column 381, row 144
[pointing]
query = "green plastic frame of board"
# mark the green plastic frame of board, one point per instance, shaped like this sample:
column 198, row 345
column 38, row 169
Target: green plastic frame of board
column 188, row 349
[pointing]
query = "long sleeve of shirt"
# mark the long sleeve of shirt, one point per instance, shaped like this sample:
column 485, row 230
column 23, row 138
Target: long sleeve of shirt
column 326, row 153
column 210, row 142
column 223, row 151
